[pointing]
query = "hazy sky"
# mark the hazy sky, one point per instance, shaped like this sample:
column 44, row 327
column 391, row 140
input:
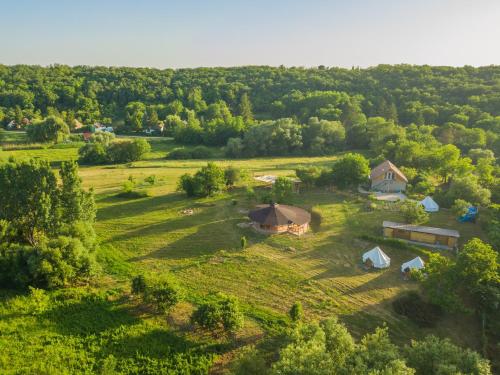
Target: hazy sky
column 193, row 33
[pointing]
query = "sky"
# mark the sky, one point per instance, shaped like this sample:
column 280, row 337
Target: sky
column 194, row 33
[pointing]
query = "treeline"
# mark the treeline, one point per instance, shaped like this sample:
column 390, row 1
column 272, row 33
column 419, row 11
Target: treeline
column 404, row 93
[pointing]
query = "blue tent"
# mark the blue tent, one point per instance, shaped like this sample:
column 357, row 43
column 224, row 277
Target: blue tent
column 469, row 216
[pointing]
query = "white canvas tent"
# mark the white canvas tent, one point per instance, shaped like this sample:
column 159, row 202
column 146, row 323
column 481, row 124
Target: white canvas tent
column 429, row 204
column 378, row 258
column 414, row 264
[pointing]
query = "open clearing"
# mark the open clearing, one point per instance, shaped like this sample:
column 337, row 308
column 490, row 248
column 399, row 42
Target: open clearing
column 322, row 269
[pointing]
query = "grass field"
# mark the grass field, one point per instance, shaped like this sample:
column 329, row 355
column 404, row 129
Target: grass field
column 322, row 269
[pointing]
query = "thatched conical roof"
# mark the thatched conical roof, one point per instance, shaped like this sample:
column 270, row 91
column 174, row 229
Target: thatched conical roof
column 279, row 214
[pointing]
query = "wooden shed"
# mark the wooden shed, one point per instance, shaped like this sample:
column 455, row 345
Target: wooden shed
column 279, row 218
column 438, row 237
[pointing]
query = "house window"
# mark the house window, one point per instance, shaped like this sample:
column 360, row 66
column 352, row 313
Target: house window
column 389, row 176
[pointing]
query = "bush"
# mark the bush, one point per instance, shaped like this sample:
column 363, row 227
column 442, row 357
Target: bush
column 50, row 265
column 350, row 170
column 282, row 190
column 127, row 151
column 50, row 129
column 460, row 207
column 139, row 285
column 296, row 312
column 207, row 181
column 179, row 154
column 92, row 153
column 219, row 314
column 422, row 313
column 234, row 148
column 232, row 176
column 163, row 295
column 201, row 152
column 413, row 212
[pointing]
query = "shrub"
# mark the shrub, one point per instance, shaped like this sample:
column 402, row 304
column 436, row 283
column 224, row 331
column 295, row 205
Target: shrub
column 163, row 295
column 422, row 313
column 350, row 170
column 413, row 212
column 201, row 152
column 179, row 154
column 243, row 242
column 92, row 153
column 296, row 312
column 207, row 181
column 127, row 151
column 231, row 176
column 282, row 190
column 150, row 179
column 234, row 148
column 220, row 313
column 139, row 285
column 460, row 207
column 50, row 129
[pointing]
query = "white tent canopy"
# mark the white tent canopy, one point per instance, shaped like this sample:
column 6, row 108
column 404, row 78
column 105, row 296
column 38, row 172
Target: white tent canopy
column 429, row 204
column 414, row 264
column 378, row 258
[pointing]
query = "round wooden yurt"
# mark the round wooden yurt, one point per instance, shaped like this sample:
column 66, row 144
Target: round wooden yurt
column 279, row 218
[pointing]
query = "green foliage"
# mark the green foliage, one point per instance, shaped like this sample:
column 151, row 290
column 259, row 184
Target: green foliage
column 29, row 199
column 219, row 313
column 101, row 151
column 179, row 154
column 322, row 137
column 308, row 175
column 477, row 263
column 460, row 207
column 296, row 312
column 350, row 171
column 232, row 176
column 243, row 242
column 151, row 180
column 439, row 356
column 250, row 362
column 139, row 285
column 127, row 151
column 206, row 182
column 92, row 153
column 468, row 189
column 413, row 212
column 162, row 294
column 282, row 190
column 47, row 231
column 50, row 129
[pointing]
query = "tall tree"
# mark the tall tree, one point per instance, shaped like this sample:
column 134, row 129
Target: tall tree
column 245, row 108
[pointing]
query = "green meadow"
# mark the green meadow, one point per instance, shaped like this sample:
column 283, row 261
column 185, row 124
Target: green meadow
column 100, row 325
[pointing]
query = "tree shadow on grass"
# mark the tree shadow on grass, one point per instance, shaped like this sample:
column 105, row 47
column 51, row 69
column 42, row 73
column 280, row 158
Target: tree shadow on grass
column 208, row 238
column 124, row 208
column 159, row 343
column 90, row 315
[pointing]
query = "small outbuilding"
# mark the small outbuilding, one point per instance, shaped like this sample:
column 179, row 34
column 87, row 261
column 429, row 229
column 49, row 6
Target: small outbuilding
column 279, row 218
column 435, row 237
column 429, row 204
column 269, row 180
column 376, row 258
column 414, row 264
